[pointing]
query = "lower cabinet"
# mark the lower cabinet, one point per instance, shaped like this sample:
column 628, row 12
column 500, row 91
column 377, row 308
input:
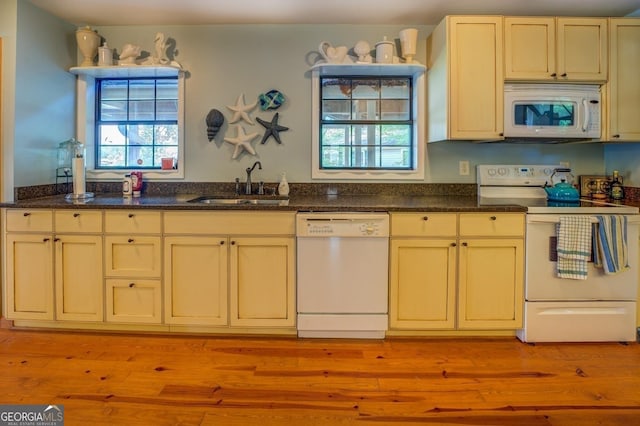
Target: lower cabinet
column 136, row 301
column 456, row 271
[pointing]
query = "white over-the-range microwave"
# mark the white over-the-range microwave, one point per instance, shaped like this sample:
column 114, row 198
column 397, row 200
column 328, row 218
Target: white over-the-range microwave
column 561, row 111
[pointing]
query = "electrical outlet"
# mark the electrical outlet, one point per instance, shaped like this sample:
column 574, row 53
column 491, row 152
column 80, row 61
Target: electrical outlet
column 565, row 164
column 463, row 168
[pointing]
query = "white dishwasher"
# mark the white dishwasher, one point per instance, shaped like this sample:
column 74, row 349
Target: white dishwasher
column 342, row 274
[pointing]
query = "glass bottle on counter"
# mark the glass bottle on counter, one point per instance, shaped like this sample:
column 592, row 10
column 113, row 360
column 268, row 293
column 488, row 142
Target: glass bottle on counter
column 615, row 189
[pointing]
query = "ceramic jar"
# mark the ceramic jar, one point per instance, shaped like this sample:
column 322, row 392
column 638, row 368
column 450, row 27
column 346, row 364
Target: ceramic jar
column 384, row 52
column 88, row 41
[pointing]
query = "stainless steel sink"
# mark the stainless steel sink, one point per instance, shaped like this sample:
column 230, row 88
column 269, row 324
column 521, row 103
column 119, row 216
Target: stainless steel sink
column 218, row 200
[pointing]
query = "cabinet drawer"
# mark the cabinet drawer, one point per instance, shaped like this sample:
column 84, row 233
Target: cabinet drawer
column 30, row 220
column 78, row 221
column 134, row 301
column 423, row 224
column 492, row 224
column 237, row 223
column 132, row 222
column 134, row 256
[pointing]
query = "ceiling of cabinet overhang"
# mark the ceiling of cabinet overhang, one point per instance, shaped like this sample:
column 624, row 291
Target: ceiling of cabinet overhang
column 416, row 12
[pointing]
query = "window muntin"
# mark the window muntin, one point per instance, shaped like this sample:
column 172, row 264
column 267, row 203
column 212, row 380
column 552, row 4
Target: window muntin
column 136, row 122
column 366, row 123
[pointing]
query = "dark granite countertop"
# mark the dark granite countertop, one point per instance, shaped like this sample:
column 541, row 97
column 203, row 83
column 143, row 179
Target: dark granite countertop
column 302, row 202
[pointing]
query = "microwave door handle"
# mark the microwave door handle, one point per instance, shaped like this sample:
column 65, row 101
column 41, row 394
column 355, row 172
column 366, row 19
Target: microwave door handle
column 587, row 115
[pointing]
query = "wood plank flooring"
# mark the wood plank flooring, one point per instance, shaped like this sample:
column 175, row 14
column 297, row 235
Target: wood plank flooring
column 111, row 379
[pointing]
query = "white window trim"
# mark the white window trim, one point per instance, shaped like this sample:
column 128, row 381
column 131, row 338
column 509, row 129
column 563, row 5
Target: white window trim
column 419, row 108
column 85, row 130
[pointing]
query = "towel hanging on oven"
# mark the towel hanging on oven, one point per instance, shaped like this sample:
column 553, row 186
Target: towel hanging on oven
column 610, row 244
column 574, row 246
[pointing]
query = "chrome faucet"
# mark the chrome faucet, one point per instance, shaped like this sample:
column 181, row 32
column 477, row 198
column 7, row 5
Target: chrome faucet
column 247, row 188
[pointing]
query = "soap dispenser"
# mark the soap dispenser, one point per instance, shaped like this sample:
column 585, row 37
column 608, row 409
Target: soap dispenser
column 283, row 186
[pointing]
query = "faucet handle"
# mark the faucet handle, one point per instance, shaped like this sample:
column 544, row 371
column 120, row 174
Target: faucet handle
column 261, row 188
column 237, row 189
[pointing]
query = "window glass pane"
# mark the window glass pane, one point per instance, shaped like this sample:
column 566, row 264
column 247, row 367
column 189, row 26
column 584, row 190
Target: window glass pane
column 113, row 110
column 335, row 157
column 336, row 135
column 167, row 89
column 111, row 156
column 165, row 152
column 336, row 110
column 167, row 110
column 140, row 156
column 142, row 89
column 336, row 88
column 166, row 134
column 395, row 89
column 366, row 135
column 113, row 90
column 366, row 89
column 111, row 134
column 365, row 109
column 395, row 157
column 396, row 135
column 396, row 109
column 141, row 110
column 140, row 134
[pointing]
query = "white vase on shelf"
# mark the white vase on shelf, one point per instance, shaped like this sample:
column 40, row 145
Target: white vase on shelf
column 88, row 41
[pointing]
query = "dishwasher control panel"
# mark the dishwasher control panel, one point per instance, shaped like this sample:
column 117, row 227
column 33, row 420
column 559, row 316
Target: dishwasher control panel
column 342, row 225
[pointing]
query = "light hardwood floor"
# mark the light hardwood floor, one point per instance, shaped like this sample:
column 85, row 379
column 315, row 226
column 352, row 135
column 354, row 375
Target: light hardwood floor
column 109, row 379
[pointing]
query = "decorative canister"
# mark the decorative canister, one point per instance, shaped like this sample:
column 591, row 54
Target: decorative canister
column 105, row 56
column 384, row 52
column 88, row 41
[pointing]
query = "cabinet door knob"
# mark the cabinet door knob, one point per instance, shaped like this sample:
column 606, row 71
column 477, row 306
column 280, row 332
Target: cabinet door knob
column 76, row 214
column 493, row 218
column 131, row 285
column 465, row 244
column 130, row 240
column 614, row 136
column 56, row 239
column 425, row 218
column 233, row 243
column 25, row 214
column 553, row 74
column 563, row 74
column 453, row 244
column 44, row 240
column 221, row 242
column 131, row 215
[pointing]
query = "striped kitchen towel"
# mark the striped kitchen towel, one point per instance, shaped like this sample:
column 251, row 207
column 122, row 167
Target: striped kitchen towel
column 574, row 246
column 610, row 244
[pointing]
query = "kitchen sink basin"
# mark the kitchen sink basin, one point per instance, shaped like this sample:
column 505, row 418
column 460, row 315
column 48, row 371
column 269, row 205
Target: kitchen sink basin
column 218, row 200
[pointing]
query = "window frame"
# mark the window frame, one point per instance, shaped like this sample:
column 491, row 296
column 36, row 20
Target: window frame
column 416, row 73
column 86, row 123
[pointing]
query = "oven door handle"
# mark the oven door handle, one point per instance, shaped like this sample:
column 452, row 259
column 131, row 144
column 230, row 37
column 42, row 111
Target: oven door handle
column 555, row 218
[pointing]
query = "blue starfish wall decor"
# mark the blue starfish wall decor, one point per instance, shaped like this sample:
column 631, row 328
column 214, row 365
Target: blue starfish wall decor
column 273, row 129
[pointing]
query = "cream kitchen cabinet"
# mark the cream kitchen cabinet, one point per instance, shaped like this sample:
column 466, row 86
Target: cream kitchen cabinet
column 66, row 246
column 555, row 49
column 465, row 79
column 456, row 271
column 423, row 271
column 230, row 269
column 623, row 88
column 133, row 266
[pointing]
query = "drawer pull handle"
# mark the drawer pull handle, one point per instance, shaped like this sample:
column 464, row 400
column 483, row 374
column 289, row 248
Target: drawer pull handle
column 132, row 285
column 233, row 243
column 44, row 240
column 76, row 214
column 425, row 218
column 130, row 240
column 56, row 239
column 131, row 215
column 221, row 242
column 25, row 214
column 453, row 244
column 465, row 244
column 493, row 218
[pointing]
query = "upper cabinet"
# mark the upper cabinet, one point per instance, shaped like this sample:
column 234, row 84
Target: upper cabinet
column 555, row 49
column 465, row 78
column 623, row 88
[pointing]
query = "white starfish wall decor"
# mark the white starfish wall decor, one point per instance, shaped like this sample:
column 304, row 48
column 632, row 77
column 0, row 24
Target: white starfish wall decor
column 242, row 141
column 241, row 111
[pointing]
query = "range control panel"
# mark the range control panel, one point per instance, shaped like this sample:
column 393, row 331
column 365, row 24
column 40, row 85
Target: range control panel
column 515, row 175
column 342, row 225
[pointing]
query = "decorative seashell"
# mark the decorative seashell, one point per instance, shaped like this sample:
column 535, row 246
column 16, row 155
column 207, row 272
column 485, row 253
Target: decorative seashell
column 273, row 99
column 214, row 121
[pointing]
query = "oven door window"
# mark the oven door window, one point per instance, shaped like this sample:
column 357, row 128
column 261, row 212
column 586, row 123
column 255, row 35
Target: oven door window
column 545, row 113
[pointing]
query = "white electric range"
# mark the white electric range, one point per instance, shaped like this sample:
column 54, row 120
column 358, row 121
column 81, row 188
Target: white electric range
column 600, row 308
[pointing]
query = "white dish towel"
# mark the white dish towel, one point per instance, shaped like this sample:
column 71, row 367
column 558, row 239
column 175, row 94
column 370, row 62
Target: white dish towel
column 610, row 244
column 574, row 246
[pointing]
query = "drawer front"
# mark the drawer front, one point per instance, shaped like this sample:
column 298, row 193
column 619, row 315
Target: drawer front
column 34, row 220
column 423, row 224
column 132, row 222
column 226, row 223
column 134, row 301
column 134, row 256
column 492, row 224
column 78, row 221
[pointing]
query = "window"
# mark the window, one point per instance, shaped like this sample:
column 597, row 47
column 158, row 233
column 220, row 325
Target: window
column 366, row 124
column 136, row 122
